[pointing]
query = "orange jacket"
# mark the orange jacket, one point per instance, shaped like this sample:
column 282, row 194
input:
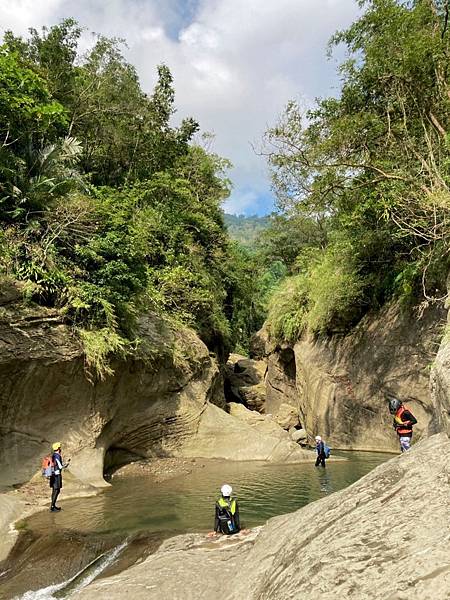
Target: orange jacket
column 404, row 421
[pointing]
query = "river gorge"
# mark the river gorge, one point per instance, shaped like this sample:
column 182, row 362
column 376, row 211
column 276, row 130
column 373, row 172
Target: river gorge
column 150, row 411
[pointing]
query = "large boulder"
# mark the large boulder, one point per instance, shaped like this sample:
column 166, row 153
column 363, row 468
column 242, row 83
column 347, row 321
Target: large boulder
column 221, row 435
column 262, row 423
column 298, row 435
column 386, row 536
column 287, row 416
column 244, row 381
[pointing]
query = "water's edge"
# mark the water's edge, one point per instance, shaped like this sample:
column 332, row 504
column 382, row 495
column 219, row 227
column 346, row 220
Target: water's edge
column 103, row 535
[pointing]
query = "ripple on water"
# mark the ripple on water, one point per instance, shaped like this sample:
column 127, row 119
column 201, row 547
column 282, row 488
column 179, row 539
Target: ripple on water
column 136, row 508
column 186, row 503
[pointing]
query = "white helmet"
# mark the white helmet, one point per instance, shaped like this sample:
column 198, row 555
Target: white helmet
column 226, row 490
column 318, row 438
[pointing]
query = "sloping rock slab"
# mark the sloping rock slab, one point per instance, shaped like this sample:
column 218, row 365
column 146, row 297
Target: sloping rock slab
column 386, row 537
column 220, row 435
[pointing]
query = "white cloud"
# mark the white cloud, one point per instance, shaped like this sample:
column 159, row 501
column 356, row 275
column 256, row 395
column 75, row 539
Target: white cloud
column 235, row 63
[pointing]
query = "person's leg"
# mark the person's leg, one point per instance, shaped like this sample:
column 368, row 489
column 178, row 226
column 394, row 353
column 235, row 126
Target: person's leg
column 317, row 461
column 322, row 461
column 55, row 494
column 405, row 443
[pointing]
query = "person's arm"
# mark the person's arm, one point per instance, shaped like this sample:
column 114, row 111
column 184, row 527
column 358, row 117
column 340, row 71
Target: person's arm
column 409, row 418
column 237, row 519
column 57, row 461
column 216, row 520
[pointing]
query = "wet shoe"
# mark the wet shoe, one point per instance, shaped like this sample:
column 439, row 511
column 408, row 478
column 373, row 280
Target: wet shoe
column 55, row 509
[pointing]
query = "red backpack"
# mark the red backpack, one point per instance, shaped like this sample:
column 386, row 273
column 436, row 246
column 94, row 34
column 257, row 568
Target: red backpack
column 48, row 466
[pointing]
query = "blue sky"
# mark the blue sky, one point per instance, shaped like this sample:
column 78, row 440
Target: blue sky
column 236, row 63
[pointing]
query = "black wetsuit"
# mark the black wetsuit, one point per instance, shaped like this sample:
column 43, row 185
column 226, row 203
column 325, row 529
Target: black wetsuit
column 321, row 456
column 56, row 478
column 227, row 519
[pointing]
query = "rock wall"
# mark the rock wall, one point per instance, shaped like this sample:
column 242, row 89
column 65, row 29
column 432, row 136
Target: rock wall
column 440, row 380
column 166, row 402
column 377, row 539
column 338, row 382
column 148, row 408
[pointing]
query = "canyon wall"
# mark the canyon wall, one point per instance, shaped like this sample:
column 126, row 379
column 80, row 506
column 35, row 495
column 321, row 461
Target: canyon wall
column 338, row 382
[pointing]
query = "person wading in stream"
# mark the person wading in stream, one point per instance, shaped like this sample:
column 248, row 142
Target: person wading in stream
column 227, row 513
column 56, row 477
column 404, row 421
column 321, row 450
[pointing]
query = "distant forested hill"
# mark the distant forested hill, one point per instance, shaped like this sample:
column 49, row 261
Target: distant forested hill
column 245, row 229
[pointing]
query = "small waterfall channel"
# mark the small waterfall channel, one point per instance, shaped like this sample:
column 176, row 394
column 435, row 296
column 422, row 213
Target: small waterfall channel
column 78, row 581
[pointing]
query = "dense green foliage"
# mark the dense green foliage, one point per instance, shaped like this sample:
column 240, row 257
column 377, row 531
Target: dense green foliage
column 362, row 180
column 245, row 229
column 107, row 210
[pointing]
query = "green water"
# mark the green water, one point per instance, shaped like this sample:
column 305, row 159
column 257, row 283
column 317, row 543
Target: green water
column 186, row 503
column 99, row 536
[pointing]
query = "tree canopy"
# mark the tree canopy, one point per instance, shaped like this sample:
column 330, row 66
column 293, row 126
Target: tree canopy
column 367, row 173
column 108, row 211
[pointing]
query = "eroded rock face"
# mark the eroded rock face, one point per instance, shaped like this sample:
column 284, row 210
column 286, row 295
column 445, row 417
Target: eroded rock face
column 221, row 435
column 244, row 382
column 280, row 381
column 376, row 539
column 148, row 408
column 166, row 403
column 338, row 382
column 440, row 381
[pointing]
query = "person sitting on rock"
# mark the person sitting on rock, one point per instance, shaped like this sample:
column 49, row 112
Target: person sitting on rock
column 403, row 422
column 56, row 478
column 320, row 449
column 227, row 513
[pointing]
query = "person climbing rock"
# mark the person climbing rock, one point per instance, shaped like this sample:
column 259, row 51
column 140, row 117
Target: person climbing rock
column 321, row 451
column 56, row 477
column 227, row 513
column 403, row 423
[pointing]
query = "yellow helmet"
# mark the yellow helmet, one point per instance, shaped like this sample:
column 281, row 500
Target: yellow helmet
column 56, row 445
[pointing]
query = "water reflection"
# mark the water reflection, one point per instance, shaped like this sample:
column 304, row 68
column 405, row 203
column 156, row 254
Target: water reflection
column 186, row 503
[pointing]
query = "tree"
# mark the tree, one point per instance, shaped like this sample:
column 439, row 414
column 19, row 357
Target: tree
column 373, row 164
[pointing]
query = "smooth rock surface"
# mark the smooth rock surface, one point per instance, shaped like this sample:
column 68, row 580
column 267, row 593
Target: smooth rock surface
column 440, row 388
column 440, row 379
column 220, row 435
column 386, row 537
column 10, row 510
column 338, row 382
column 262, row 423
column 147, row 408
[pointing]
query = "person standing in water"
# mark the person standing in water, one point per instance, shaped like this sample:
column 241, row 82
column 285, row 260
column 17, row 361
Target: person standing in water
column 56, row 477
column 226, row 519
column 321, row 451
column 403, row 423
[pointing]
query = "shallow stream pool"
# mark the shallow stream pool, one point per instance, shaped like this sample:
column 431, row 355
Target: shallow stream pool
column 138, row 510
